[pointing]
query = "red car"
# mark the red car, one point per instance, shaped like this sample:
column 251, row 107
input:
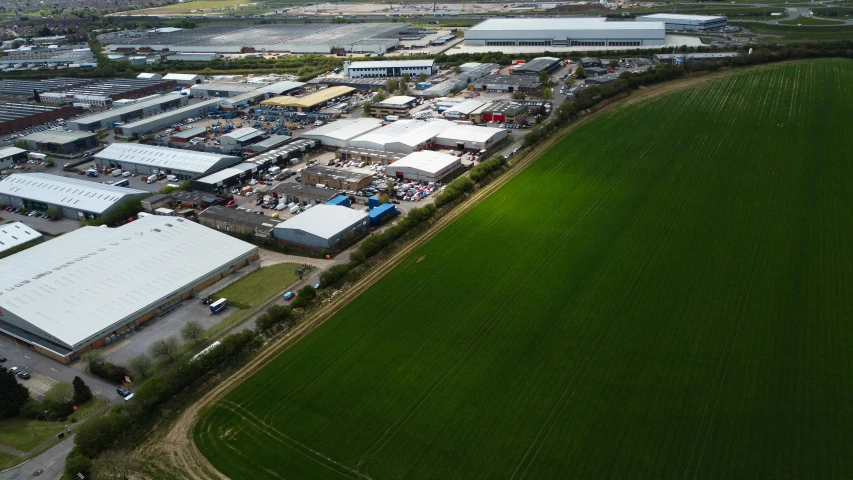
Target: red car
column 288, row 296
column 230, row 203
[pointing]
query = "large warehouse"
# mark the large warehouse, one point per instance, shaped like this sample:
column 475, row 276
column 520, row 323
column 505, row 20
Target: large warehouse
column 61, row 141
column 17, row 234
column 322, row 226
column 425, row 166
column 20, row 116
column 681, row 22
column 144, row 159
column 389, row 68
column 77, row 199
column 147, row 108
column 564, row 32
column 470, row 137
column 340, row 132
column 404, row 136
column 163, row 120
column 115, row 280
column 312, row 101
column 104, row 92
column 287, row 37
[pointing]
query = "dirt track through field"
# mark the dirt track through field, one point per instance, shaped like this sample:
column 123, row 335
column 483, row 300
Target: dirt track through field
column 178, row 453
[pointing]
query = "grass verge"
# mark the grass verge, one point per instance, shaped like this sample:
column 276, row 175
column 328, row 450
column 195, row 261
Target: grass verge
column 24, row 434
column 259, row 285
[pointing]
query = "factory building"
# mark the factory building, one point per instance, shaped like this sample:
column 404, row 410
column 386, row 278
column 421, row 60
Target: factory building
column 500, row 112
column 61, row 141
column 288, row 153
column 529, row 85
column 27, row 89
column 303, row 194
column 217, row 182
column 233, row 221
column 369, row 155
column 339, row 133
column 17, row 234
column 389, row 68
column 564, row 32
column 690, row 23
column 240, row 138
column 221, row 89
column 145, row 159
column 117, row 279
column 366, row 84
column 274, row 141
column 474, row 71
column 425, row 166
column 11, row 156
column 150, row 76
column 398, row 106
column 20, row 116
column 471, row 137
column 108, row 118
column 104, row 92
column 163, row 120
column 537, row 66
column 589, row 62
column 403, row 136
column 311, row 102
column 184, row 136
column 77, row 199
column 335, row 178
column 462, row 110
column 322, row 227
column 184, row 79
column 322, row 38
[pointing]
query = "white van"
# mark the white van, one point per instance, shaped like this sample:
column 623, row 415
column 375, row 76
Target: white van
column 274, row 170
column 294, row 210
column 117, row 172
column 172, row 178
column 281, row 206
column 151, row 179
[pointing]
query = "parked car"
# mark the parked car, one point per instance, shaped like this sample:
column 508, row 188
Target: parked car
column 23, row 374
column 2, row 359
column 123, row 391
column 288, row 296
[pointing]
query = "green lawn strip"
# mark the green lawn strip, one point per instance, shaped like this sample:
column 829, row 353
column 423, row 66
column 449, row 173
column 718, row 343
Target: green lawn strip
column 24, row 434
column 8, row 461
column 810, row 21
column 259, row 285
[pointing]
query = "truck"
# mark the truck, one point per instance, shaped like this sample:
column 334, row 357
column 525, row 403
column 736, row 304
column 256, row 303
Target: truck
column 281, row 206
column 36, row 156
column 218, row 305
column 151, row 178
column 391, row 118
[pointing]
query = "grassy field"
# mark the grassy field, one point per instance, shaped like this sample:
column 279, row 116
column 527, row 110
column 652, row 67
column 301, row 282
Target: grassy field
column 259, row 285
column 810, row 21
column 799, row 33
column 665, row 294
column 24, row 434
column 205, row 5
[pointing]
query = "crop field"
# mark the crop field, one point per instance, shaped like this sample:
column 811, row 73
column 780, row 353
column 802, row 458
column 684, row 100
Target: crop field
column 665, row 294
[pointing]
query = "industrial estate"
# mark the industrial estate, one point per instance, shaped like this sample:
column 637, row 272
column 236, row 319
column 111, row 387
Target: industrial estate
column 623, row 235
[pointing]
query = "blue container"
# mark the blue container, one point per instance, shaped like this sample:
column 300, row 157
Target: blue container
column 380, row 212
column 340, row 200
column 372, row 202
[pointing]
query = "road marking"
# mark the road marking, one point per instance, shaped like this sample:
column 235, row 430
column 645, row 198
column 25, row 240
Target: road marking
column 55, row 370
column 28, row 358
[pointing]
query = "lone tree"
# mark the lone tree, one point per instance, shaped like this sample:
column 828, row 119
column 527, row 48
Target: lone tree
column 165, row 347
column 192, row 331
column 391, row 85
column 13, row 395
column 82, row 392
column 547, row 94
column 579, row 73
column 140, row 364
column 92, row 357
column 60, row 398
column 544, row 78
column 421, row 78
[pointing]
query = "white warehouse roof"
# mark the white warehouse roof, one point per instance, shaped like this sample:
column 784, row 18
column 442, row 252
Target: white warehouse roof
column 393, row 64
column 81, row 286
column 560, row 23
column 343, row 130
column 10, row 151
column 425, row 161
column 413, row 133
column 324, row 221
column 16, row 233
column 186, row 77
column 397, row 100
column 163, row 157
column 664, row 17
column 471, row 133
column 465, row 107
column 244, row 133
column 65, row 192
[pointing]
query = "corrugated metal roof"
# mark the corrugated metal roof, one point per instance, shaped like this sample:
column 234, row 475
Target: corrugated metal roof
column 311, row 100
column 425, row 160
column 181, row 76
column 94, row 279
column 57, row 136
column 170, row 158
column 244, row 133
column 81, row 195
column 10, row 151
column 393, row 64
column 324, row 221
column 344, row 129
column 16, row 233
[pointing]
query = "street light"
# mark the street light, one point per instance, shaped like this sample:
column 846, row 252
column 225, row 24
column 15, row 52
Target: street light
column 46, row 418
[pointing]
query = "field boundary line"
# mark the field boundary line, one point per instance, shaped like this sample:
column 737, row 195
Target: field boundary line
column 177, row 447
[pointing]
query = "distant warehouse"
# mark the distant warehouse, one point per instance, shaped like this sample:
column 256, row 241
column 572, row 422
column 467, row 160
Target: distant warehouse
column 77, row 199
column 163, row 120
column 564, row 32
column 426, row 166
column 90, row 287
column 322, row 227
column 19, row 116
column 312, row 101
column 144, row 159
column 537, row 66
column 389, row 68
column 61, row 141
column 681, row 22
column 107, row 118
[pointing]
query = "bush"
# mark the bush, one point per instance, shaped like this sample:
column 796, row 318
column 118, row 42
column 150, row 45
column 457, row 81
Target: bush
column 77, row 464
column 82, row 392
column 13, row 395
column 110, row 372
column 100, row 434
column 31, row 409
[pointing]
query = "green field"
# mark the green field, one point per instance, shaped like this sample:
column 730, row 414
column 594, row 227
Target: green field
column 665, row 294
column 258, row 286
column 811, row 21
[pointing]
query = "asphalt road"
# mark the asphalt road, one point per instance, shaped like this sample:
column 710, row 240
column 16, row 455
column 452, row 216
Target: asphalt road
column 48, row 466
